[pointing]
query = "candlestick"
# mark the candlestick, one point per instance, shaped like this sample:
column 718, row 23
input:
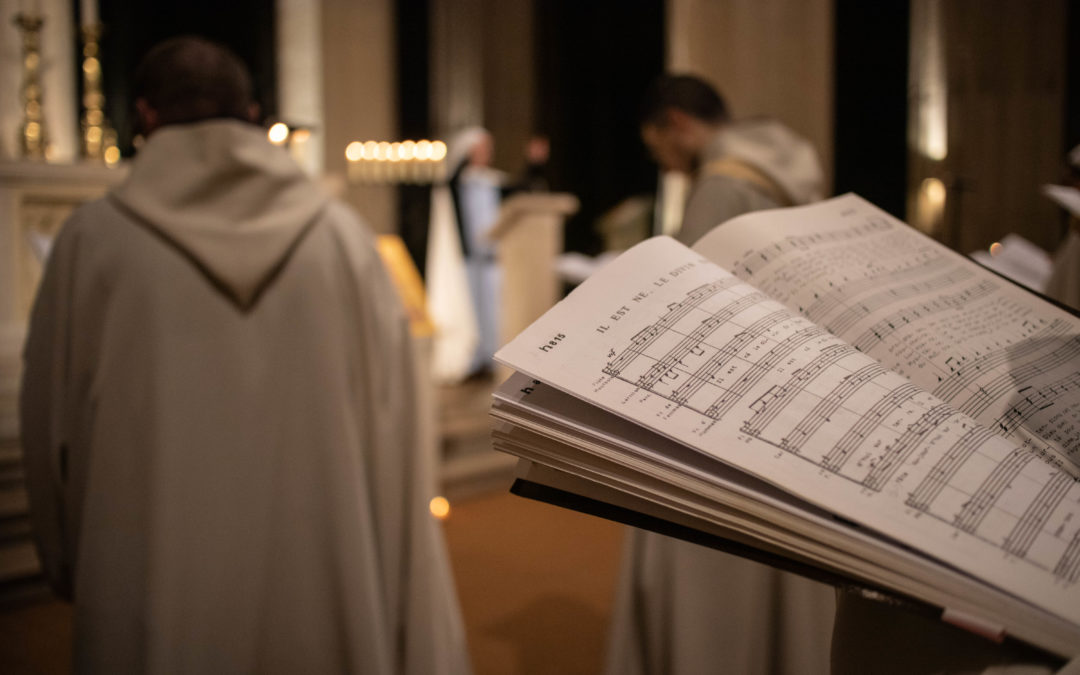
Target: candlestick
column 98, row 136
column 32, row 136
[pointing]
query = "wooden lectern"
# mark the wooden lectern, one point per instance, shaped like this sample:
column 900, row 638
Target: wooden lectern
column 529, row 240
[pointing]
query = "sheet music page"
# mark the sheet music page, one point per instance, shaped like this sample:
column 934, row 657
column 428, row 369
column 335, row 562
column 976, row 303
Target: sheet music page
column 997, row 353
column 665, row 338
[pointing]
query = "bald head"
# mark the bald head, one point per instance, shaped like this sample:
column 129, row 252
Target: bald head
column 189, row 79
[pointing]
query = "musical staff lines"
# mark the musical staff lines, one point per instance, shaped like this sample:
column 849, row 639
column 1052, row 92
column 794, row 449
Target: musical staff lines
column 739, row 362
column 845, row 293
column 836, row 458
column 896, row 454
column 1031, row 524
column 892, row 296
column 753, row 260
column 694, row 339
column 963, row 375
column 882, row 329
column 722, row 405
column 1068, row 566
column 707, row 371
column 648, row 335
column 946, row 467
column 1033, row 401
column 1002, row 385
column 768, row 406
column 828, row 405
column 991, row 489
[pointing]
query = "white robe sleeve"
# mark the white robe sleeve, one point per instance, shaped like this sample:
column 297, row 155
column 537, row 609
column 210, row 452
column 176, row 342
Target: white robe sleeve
column 42, row 417
column 421, row 598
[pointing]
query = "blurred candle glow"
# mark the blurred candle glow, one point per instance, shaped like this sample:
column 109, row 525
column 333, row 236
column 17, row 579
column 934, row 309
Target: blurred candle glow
column 440, row 508
column 384, row 162
column 354, row 151
column 438, row 151
column 278, row 133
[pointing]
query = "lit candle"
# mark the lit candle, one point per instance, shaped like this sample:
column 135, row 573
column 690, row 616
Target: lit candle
column 89, row 11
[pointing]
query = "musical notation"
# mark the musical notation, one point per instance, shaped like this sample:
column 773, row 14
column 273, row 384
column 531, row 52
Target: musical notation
column 885, row 327
column 963, row 376
column 946, row 432
column 1002, row 385
column 921, row 311
column 753, row 260
column 721, row 354
column 687, row 350
column 1068, row 566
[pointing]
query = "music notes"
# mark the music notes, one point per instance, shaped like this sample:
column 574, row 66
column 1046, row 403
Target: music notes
column 723, row 367
column 967, row 336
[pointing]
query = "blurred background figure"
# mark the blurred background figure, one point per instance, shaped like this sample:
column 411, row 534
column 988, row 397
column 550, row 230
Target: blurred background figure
column 533, row 178
column 477, row 190
column 736, row 166
column 680, row 607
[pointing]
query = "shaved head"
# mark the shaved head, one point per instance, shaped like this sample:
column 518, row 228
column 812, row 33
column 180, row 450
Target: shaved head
column 190, row 79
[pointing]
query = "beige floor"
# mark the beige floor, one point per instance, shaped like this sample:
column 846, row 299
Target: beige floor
column 535, row 584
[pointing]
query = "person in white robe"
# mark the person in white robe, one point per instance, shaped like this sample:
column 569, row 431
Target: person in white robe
column 217, row 413
column 462, row 273
column 477, row 192
column 681, row 608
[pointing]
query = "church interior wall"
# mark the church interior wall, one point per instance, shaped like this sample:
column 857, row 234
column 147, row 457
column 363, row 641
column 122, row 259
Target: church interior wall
column 1005, row 84
column 509, row 78
column 768, row 57
column 359, row 97
column 999, row 131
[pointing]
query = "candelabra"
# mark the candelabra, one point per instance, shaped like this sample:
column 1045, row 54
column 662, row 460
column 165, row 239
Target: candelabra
column 32, row 136
column 98, row 136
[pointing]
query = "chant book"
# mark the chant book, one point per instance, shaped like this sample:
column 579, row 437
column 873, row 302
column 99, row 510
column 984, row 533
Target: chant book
column 826, row 384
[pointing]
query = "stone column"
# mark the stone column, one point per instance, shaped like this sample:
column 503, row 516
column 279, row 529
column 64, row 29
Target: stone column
column 299, row 72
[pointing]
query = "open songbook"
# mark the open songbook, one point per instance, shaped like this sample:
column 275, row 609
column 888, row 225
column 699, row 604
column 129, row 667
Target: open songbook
column 826, row 384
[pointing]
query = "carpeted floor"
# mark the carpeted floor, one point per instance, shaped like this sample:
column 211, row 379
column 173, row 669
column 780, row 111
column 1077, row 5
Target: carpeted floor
column 535, row 584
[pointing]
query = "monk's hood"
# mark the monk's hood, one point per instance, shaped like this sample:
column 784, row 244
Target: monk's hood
column 788, row 159
column 235, row 204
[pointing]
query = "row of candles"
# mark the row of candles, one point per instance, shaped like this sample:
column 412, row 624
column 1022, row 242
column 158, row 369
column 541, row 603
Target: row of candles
column 416, row 162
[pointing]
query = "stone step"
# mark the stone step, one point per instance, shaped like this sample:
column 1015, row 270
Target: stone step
column 14, row 502
column 19, row 561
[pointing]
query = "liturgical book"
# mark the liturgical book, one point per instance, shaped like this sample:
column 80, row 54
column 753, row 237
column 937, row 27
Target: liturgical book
column 828, row 385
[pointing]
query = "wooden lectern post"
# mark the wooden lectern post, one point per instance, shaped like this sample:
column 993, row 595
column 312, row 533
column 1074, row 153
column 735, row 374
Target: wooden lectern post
column 529, row 240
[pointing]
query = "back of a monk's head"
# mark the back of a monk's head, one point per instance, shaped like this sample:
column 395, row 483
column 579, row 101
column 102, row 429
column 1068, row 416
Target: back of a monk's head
column 191, row 79
column 687, row 93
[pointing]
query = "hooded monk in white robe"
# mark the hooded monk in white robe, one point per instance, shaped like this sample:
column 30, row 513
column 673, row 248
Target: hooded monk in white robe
column 217, row 422
column 680, row 608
